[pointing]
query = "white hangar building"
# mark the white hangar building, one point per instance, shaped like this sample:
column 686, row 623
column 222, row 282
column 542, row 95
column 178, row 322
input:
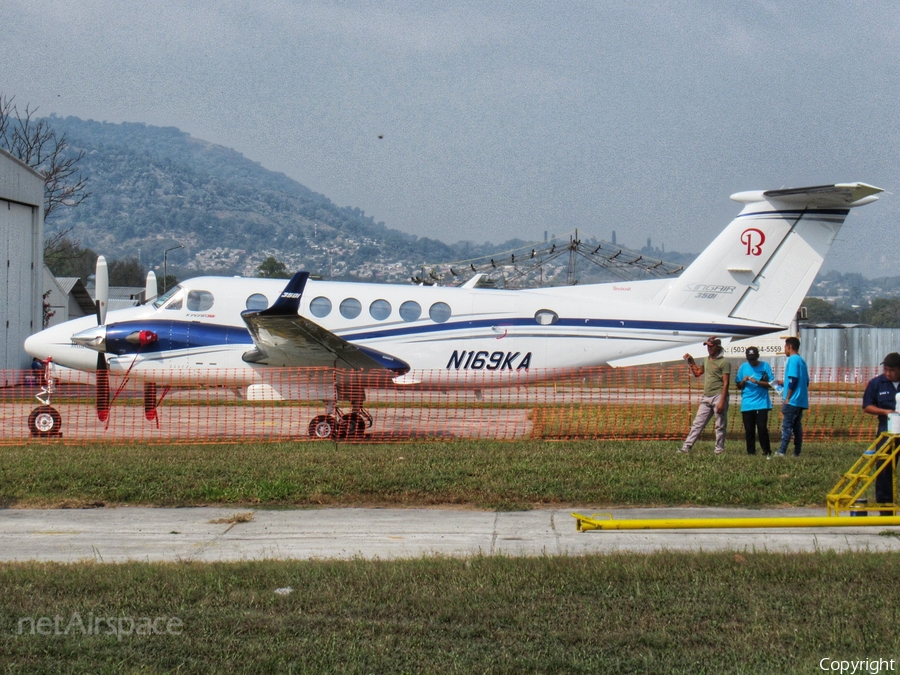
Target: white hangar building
column 21, row 244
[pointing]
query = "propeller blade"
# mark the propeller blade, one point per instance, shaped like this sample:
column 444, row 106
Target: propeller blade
column 150, row 289
column 102, row 388
column 101, row 289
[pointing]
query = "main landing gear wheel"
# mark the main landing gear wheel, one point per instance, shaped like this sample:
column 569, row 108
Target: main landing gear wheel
column 45, row 422
column 322, row 426
column 352, row 425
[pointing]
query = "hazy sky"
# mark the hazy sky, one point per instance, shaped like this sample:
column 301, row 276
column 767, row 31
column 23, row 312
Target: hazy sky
column 501, row 119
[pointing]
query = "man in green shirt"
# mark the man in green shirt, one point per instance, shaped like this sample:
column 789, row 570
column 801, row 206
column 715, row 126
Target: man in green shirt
column 714, row 401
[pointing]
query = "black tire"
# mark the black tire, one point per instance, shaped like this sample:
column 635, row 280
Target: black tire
column 352, row 425
column 45, row 422
column 322, row 427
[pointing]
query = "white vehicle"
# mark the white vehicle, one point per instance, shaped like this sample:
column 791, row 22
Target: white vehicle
column 748, row 282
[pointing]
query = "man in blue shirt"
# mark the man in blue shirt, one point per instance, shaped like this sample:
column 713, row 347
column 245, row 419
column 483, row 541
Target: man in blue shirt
column 754, row 379
column 795, row 397
column 880, row 399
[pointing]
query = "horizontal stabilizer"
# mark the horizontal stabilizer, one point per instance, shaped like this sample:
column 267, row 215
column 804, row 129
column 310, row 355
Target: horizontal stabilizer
column 697, row 350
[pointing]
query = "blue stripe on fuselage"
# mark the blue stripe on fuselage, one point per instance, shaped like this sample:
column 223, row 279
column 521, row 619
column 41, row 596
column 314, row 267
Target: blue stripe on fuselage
column 175, row 335
column 617, row 324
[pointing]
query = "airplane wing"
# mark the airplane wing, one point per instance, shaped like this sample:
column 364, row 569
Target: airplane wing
column 284, row 338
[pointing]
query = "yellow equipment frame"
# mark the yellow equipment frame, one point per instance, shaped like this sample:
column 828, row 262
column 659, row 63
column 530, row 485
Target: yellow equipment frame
column 848, row 493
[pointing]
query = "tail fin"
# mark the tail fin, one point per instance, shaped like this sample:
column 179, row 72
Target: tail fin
column 762, row 265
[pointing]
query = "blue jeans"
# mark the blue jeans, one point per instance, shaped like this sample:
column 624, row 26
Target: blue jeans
column 791, row 424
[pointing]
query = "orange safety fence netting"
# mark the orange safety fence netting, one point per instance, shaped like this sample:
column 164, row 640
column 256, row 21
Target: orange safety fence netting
column 298, row 404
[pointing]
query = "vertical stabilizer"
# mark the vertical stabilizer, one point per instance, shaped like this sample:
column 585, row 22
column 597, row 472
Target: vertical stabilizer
column 762, row 265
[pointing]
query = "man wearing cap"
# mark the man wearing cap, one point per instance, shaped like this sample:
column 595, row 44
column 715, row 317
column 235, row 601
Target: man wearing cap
column 880, row 399
column 754, row 379
column 714, row 400
column 795, row 397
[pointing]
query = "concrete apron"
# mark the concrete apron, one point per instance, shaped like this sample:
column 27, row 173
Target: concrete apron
column 211, row 534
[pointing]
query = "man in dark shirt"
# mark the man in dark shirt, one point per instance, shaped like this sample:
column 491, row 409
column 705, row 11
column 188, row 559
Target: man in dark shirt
column 880, row 399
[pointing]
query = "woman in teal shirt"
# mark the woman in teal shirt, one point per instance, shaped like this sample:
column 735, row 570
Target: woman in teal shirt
column 754, row 379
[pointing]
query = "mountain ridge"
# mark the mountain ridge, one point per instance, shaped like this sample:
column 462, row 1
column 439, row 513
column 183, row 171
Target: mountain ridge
column 155, row 188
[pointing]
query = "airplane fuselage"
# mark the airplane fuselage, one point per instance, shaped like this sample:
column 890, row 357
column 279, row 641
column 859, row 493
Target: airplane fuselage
column 472, row 334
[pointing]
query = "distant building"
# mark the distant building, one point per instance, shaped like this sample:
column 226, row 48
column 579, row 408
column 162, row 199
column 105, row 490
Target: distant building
column 68, row 298
column 120, row 297
column 21, row 240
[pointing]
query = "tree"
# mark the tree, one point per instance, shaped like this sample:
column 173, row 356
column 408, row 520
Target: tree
column 822, row 311
column 127, row 272
column 47, row 310
column 884, row 313
column 66, row 258
column 164, row 285
column 272, row 269
column 33, row 141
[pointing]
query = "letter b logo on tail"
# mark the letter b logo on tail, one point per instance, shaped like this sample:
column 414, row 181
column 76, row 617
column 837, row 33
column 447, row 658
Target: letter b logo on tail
column 754, row 239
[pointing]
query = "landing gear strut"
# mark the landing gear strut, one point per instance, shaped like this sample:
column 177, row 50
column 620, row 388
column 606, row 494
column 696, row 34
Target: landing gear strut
column 45, row 420
column 339, row 425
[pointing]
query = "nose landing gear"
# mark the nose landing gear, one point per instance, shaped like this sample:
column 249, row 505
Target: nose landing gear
column 45, row 420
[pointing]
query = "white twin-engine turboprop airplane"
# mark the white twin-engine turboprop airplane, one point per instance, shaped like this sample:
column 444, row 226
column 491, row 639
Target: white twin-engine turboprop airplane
column 748, row 282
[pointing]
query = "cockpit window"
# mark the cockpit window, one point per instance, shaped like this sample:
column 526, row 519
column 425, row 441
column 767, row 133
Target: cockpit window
column 169, row 300
column 199, row 301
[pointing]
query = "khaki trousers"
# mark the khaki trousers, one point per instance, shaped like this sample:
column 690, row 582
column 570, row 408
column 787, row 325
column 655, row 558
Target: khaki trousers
column 706, row 410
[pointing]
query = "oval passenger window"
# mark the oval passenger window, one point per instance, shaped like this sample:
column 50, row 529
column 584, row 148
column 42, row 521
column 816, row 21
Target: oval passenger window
column 257, row 302
column 350, row 308
column 439, row 312
column 380, row 310
column 320, row 307
column 410, row 310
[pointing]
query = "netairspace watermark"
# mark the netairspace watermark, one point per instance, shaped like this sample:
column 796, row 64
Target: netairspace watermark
column 120, row 626
column 869, row 666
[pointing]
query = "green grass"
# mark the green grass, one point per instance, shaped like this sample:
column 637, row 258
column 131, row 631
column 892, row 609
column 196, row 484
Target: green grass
column 671, row 421
column 659, row 613
column 482, row 474
column 669, row 612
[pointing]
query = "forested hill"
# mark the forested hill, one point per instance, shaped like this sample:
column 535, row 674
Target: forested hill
column 156, row 187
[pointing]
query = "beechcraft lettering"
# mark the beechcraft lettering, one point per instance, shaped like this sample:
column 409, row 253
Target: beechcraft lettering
column 709, row 291
column 230, row 333
column 484, row 360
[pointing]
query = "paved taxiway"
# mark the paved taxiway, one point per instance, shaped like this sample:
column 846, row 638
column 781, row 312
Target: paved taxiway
column 192, row 534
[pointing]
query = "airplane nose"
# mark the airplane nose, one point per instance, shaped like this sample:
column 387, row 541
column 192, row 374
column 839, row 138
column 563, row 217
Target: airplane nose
column 36, row 345
column 92, row 338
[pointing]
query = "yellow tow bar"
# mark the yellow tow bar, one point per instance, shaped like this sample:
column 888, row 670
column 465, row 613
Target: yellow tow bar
column 846, row 496
column 604, row 521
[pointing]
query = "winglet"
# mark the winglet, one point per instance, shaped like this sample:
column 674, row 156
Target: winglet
column 288, row 303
